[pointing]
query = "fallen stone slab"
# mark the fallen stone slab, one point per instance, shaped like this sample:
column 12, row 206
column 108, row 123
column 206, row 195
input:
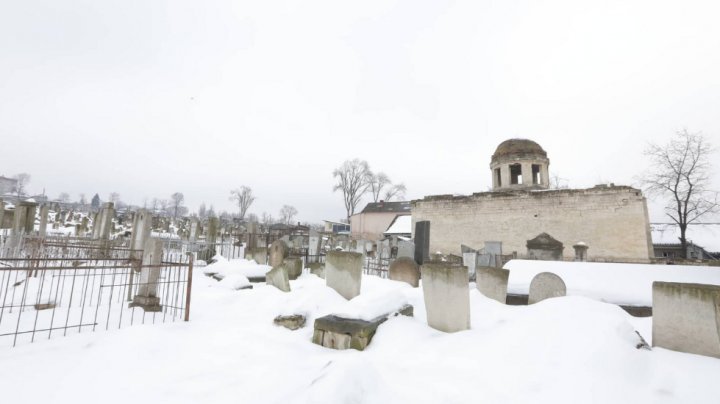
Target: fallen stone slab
column 292, row 322
column 347, row 333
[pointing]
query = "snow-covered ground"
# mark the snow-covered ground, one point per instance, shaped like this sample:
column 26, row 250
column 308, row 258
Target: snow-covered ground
column 626, row 284
column 563, row 350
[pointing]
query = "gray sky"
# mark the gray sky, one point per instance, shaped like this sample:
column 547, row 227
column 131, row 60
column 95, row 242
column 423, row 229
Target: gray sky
column 146, row 98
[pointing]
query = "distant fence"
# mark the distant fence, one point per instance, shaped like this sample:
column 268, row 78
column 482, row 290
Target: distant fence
column 78, row 287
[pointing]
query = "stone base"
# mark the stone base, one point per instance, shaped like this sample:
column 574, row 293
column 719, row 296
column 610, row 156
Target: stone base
column 293, row 322
column 148, row 304
column 346, row 333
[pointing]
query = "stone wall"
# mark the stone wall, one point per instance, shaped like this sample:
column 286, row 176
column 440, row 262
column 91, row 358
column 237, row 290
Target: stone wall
column 613, row 221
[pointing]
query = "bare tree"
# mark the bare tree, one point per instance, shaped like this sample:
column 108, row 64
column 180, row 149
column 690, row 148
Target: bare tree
column 680, row 170
column 352, row 179
column 287, row 213
column 267, row 219
column 22, row 180
column 376, row 183
column 557, row 182
column 202, row 211
column 244, row 198
column 176, row 201
column 396, row 191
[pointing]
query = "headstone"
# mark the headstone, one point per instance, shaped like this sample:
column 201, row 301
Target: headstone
column 44, row 212
column 141, row 231
column 278, row 277
column 317, row 268
column 405, row 269
column 422, row 241
column 470, row 260
column 492, row 282
column 194, row 226
column 544, row 247
column 546, row 285
column 686, row 317
column 446, row 295
column 406, row 249
column 494, row 251
column 297, row 241
column 294, row 267
column 212, row 230
column 314, row 247
column 343, row 272
column 146, row 296
column 580, row 251
column 258, row 254
column 278, row 252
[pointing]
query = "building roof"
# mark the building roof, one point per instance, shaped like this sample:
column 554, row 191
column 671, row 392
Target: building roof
column 519, row 148
column 387, row 207
column 402, row 224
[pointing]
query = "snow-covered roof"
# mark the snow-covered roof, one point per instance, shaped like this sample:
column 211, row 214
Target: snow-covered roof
column 705, row 235
column 402, row 224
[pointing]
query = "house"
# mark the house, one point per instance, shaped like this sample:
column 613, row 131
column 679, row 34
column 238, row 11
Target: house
column 336, row 227
column 374, row 220
column 703, row 241
column 401, row 226
column 7, row 185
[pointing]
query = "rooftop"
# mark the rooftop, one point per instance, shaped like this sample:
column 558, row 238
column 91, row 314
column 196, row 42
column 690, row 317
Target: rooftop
column 387, row 207
column 519, row 148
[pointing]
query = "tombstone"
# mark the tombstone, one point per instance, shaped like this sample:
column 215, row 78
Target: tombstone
column 278, row 252
column 297, row 241
column 686, row 317
column 317, row 268
column 492, row 282
column 146, row 296
column 314, row 242
column 84, row 226
column 212, row 230
column 103, row 221
column 544, row 247
column 258, row 254
column 194, row 227
column 546, row 285
column 580, row 251
column 141, row 231
column 294, row 267
column 343, row 272
column 470, row 260
column 446, row 295
column 494, row 251
column 406, row 249
column 44, row 212
column 422, row 241
column 349, row 333
column 278, row 277
column 384, row 249
column 405, row 269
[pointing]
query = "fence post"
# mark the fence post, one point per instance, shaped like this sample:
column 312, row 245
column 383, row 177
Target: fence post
column 189, row 287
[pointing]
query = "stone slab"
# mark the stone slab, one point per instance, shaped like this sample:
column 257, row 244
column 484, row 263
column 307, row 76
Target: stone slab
column 346, row 333
column 405, row 269
column 343, row 272
column 492, row 282
column 447, row 296
column 546, row 285
column 278, row 277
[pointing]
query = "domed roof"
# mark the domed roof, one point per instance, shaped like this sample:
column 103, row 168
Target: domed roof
column 519, row 148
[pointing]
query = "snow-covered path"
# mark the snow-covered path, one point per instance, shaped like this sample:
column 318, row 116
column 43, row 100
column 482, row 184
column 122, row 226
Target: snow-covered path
column 565, row 350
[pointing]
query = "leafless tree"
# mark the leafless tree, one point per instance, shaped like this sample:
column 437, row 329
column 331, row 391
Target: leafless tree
column 287, row 213
column 557, row 182
column 202, row 211
column 396, row 191
column 352, row 179
column 22, row 180
column 176, row 201
column 376, row 183
column 267, row 219
column 252, row 218
column 244, row 198
column 680, row 170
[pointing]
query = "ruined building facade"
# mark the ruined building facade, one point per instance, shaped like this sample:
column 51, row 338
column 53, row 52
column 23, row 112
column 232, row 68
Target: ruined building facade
column 612, row 220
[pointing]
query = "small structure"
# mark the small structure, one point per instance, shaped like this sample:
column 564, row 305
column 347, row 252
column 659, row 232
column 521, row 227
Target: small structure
column 544, row 247
column 580, row 251
column 546, row 285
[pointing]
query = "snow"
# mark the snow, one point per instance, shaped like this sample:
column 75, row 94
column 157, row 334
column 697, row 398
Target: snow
column 563, row 350
column 401, row 225
column 222, row 267
column 625, row 284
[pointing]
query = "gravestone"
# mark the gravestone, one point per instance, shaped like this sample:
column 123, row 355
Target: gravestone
column 494, row 251
column 317, row 268
column 314, row 246
column 141, row 231
column 343, row 272
column 446, row 295
column 348, row 333
column 686, row 317
column 146, row 296
column 44, row 212
column 406, row 270
column 294, row 267
column 194, row 226
column 406, row 249
column 470, row 260
column 278, row 252
column 212, row 231
column 259, row 255
column 544, row 247
column 492, row 282
column 422, row 241
column 580, row 251
column 546, row 285
column 278, row 277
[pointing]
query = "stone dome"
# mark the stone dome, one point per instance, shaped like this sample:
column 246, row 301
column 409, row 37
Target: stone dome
column 519, row 148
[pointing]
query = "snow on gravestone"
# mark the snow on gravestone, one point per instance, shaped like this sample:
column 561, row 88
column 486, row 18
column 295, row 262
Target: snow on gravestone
column 405, row 269
column 546, row 285
column 492, row 282
column 686, row 317
column 343, row 272
column 446, row 295
column 278, row 252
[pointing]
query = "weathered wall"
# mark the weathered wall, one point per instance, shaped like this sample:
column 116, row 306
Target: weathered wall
column 613, row 221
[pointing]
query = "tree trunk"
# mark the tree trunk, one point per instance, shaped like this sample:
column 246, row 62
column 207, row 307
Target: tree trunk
column 683, row 241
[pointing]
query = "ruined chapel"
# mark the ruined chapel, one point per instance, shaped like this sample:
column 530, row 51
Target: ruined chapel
column 612, row 220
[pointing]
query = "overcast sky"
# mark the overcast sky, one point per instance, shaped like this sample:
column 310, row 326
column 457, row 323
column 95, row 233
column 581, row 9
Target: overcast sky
column 146, row 98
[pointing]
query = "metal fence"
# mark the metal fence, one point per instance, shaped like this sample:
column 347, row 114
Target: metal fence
column 72, row 288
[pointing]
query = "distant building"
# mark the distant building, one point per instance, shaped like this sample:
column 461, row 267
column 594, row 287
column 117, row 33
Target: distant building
column 401, row 226
column 336, row 227
column 703, row 241
column 7, row 185
column 374, row 220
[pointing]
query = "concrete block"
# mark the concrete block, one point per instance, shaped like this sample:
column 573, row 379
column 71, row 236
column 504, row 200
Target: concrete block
column 546, row 285
column 347, row 333
column 292, row 322
column 492, row 282
column 343, row 272
column 405, row 269
column 446, row 295
column 686, row 317
column 278, row 277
